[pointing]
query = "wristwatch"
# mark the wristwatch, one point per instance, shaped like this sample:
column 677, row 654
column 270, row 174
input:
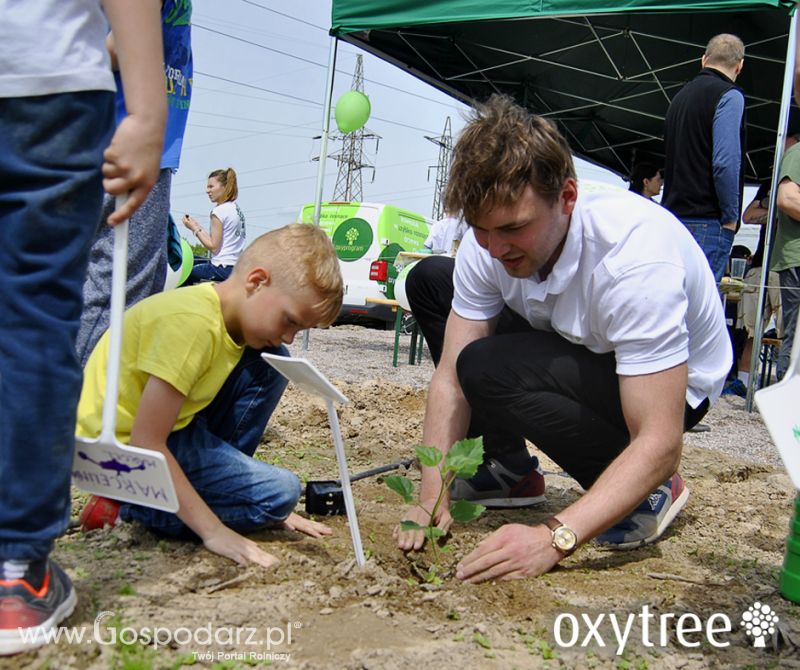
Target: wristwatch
column 564, row 538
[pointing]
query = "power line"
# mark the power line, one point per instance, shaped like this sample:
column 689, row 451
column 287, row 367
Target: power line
column 317, row 64
column 288, row 16
column 318, row 104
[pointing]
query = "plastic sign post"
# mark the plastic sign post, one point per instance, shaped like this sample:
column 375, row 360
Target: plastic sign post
column 305, row 376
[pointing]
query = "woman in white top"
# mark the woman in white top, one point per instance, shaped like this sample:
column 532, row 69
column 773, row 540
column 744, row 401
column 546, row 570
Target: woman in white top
column 227, row 238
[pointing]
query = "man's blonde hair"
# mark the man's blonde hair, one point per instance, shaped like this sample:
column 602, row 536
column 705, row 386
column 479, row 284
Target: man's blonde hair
column 725, row 50
column 299, row 256
column 503, row 149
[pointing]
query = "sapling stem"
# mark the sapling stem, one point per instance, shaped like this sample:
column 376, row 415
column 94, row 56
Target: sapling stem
column 462, row 460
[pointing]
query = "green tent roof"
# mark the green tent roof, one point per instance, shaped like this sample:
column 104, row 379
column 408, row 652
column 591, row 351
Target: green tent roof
column 604, row 71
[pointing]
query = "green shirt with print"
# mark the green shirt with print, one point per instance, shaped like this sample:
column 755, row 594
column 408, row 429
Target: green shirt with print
column 786, row 247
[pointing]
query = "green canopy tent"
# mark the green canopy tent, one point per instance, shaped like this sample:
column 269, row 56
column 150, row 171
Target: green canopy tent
column 604, row 71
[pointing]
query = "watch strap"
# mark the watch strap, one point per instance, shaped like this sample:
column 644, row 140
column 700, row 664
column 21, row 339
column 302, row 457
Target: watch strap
column 552, row 523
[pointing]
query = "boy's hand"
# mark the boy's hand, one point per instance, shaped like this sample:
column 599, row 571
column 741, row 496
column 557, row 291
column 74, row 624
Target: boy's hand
column 302, row 525
column 131, row 163
column 229, row 543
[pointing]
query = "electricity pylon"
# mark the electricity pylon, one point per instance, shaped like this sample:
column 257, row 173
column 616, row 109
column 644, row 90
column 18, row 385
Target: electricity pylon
column 445, row 142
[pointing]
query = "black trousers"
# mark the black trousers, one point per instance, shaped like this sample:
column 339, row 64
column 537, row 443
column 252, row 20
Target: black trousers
column 523, row 383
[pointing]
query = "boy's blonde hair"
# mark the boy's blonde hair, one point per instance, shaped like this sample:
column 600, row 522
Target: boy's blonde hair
column 503, row 149
column 299, row 256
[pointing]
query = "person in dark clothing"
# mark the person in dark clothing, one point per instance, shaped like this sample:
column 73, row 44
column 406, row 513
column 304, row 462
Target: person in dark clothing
column 705, row 147
column 646, row 180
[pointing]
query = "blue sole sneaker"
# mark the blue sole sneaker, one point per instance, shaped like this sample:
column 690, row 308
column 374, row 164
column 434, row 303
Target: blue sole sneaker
column 650, row 519
column 32, row 606
column 494, row 485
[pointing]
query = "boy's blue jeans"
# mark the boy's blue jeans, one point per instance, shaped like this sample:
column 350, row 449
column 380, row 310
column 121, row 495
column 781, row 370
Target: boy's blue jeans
column 715, row 241
column 215, row 452
column 51, row 150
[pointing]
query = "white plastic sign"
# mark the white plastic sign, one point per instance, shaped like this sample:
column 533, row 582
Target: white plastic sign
column 304, row 375
column 779, row 405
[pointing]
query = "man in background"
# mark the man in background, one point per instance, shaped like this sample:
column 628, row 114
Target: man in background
column 705, row 145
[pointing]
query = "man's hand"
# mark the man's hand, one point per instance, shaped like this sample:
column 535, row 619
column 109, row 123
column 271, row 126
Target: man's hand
column 308, row 527
column 414, row 539
column 226, row 542
column 513, row 551
column 131, row 163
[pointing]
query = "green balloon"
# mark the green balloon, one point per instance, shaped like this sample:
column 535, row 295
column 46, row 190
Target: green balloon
column 187, row 261
column 352, row 111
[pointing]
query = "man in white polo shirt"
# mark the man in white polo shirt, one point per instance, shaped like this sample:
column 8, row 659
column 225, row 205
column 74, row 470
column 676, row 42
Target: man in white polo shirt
column 589, row 325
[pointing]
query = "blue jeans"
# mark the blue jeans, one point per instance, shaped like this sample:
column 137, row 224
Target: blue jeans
column 216, row 451
column 51, row 150
column 715, row 241
column 204, row 270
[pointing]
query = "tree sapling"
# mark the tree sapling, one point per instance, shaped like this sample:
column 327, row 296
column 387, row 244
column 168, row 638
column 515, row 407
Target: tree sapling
column 462, row 460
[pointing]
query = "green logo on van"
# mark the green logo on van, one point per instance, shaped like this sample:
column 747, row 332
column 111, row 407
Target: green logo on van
column 352, row 239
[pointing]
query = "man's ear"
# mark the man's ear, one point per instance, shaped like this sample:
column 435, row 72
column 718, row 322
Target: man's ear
column 703, row 61
column 569, row 195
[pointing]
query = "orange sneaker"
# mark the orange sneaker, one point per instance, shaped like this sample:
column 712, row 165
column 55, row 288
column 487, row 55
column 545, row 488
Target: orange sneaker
column 99, row 513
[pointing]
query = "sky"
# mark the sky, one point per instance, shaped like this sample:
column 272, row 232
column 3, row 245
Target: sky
column 260, row 70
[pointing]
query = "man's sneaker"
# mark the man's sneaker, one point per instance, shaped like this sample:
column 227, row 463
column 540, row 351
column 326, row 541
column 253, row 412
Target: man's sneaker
column 32, row 606
column 650, row 519
column 98, row 513
column 496, row 486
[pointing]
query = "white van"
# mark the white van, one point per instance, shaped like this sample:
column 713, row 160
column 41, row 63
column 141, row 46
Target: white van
column 364, row 232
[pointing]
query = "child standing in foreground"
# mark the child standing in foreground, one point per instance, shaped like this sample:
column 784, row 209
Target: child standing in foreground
column 193, row 387
column 56, row 155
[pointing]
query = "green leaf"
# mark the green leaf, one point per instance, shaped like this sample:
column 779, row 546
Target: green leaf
column 465, row 511
column 432, row 532
column 481, row 640
column 464, row 457
column 429, row 457
column 401, row 486
column 411, row 525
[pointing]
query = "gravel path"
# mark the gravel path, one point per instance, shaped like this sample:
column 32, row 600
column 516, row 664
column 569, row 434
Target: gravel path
column 357, row 354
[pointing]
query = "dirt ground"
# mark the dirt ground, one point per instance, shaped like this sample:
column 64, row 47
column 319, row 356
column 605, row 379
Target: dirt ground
column 317, row 610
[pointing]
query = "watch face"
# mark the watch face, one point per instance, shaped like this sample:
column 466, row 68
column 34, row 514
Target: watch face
column 564, row 539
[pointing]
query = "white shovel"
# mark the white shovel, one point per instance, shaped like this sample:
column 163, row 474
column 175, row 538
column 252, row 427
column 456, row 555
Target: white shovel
column 104, row 465
column 779, row 404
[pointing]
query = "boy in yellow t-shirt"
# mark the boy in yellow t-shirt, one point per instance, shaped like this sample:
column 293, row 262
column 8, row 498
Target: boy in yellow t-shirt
column 193, row 387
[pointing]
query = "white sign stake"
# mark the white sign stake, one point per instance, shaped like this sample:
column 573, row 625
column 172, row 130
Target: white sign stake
column 305, row 376
column 779, row 407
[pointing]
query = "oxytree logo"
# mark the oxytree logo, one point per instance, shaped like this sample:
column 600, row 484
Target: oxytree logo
column 759, row 621
column 649, row 629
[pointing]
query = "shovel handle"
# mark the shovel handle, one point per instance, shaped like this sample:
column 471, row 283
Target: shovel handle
column 118, row 280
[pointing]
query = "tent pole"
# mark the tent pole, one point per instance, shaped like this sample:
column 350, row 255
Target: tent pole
column 783, row 119
column 323, row 145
